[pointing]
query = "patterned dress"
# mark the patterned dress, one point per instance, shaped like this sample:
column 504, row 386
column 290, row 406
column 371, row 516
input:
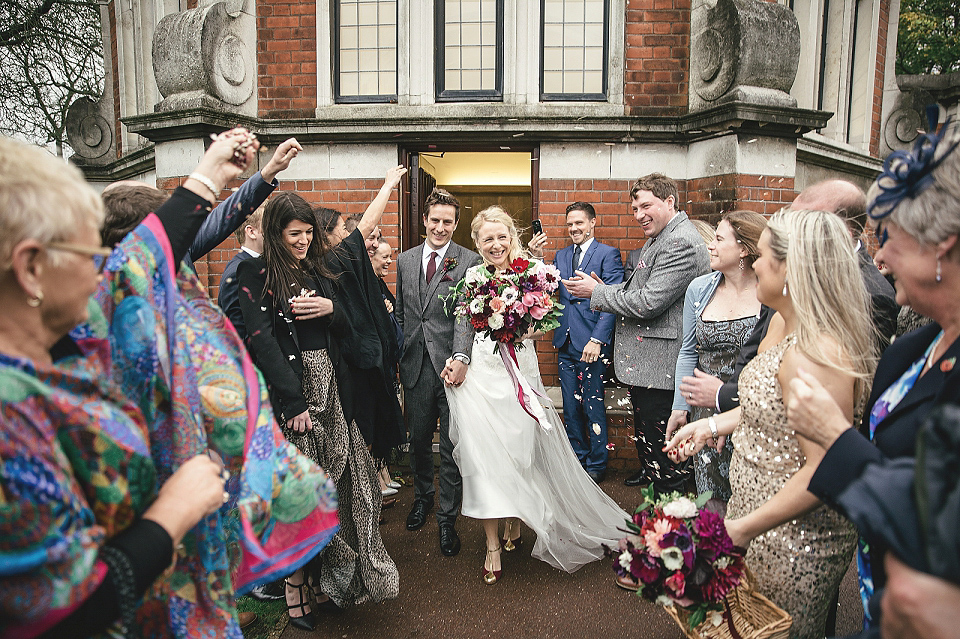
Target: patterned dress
column 798, row 565
column 718, row 346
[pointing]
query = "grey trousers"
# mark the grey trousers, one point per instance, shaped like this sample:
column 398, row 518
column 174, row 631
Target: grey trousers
column 425, row 402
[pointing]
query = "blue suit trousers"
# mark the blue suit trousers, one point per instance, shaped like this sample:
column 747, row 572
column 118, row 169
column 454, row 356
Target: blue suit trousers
column 583, row 410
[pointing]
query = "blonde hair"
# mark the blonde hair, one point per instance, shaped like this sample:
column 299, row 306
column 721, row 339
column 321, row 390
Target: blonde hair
column 255, row 220
column 41, row 198
column 827, row 291
column 706, row 230
column 496, row 214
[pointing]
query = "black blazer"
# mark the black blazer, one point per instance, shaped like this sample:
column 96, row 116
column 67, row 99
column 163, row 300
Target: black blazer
column 896, row 435
column 272, row 340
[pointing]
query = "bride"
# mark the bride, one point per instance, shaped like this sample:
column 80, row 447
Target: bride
column 513, row 468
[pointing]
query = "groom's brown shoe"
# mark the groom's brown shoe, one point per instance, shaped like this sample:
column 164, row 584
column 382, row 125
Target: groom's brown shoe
column 418, row 515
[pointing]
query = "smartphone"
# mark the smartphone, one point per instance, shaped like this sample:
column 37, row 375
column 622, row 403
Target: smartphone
column 537, row 227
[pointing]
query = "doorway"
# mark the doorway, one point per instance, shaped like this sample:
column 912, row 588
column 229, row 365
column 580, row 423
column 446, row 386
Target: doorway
column 478, row 179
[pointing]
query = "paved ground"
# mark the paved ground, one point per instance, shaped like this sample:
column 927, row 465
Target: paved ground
column 444, row 597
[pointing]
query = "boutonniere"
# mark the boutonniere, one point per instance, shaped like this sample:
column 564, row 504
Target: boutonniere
column 449, row 263
column 641, row 264
column 947, row 365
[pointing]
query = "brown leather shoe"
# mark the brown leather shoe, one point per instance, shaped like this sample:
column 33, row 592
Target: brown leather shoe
column 627, row 583
column 247, row 619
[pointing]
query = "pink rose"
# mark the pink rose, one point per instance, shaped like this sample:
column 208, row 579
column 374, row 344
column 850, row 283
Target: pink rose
column 675, row 584
column 497, row 305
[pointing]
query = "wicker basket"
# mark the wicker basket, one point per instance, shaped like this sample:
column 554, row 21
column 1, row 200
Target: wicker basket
column 751, row 615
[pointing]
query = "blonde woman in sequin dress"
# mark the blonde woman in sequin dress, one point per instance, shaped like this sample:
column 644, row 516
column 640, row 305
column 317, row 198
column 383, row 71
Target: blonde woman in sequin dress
column 798, row 548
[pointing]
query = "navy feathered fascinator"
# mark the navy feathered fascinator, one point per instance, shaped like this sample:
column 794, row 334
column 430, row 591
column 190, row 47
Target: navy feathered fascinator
column 906, row 174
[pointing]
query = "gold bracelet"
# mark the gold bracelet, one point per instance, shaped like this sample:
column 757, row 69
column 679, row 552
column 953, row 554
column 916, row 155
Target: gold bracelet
column 712, row 423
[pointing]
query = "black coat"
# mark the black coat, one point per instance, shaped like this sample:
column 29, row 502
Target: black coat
column 273, row 343
column 846, row 461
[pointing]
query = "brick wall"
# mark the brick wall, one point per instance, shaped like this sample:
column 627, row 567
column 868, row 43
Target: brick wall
column 115, row 69
column 287, row 58
column 709, row 198
column 657, row 57
column 878, row 77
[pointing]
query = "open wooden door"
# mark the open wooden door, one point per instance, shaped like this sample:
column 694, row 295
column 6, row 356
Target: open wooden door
column 421, row 184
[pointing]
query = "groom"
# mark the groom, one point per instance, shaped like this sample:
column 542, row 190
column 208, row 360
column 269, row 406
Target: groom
column 431, row 337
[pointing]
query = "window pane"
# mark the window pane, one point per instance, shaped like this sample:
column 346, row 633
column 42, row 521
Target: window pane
column 593, row 82
column 470, row 34
column 552, row 82
column 369, row 84
column 553, row 11
column 471, row 81
column 553, row 59
column 348, row 61
column 452, row 11
column 451, row 80
column 470, row 11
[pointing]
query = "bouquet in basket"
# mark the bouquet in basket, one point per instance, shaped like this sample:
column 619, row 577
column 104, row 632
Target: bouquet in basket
column 680, row 554
column 505, row 305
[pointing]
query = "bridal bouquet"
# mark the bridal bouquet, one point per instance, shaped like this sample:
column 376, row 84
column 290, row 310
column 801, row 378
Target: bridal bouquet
column 505, row 305
column 680, row 554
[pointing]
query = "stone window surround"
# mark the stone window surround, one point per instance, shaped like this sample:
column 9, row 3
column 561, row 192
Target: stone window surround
column 521, row 80
column 849, row 98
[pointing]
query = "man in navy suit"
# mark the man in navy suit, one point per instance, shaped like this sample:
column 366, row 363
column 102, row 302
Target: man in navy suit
column 250, row 237
column 584, row 340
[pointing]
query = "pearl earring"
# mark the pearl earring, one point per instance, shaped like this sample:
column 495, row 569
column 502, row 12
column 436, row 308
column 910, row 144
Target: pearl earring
column 939, row 276
column 784, row 289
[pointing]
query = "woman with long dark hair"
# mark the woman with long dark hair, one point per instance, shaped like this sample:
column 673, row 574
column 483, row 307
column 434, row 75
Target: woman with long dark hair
column 295, row 324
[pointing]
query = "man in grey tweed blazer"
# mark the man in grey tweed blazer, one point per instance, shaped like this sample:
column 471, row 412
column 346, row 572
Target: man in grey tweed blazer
column 649, row 327
column 436, row 350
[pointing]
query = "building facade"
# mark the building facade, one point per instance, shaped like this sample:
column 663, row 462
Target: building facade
column 531, row 103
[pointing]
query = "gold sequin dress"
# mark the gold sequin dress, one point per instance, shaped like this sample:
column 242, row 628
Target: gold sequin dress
column 798, row 565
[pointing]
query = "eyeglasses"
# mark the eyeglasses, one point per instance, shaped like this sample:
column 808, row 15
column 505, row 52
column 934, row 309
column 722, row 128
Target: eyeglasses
column 91, row 251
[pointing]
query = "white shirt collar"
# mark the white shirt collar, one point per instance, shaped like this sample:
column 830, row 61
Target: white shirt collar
column 585, row 245
column 250, row 251
column 427, row 250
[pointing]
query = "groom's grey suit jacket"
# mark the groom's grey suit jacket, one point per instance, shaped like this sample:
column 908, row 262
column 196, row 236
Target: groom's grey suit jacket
column 649, row 305
column 421, row 314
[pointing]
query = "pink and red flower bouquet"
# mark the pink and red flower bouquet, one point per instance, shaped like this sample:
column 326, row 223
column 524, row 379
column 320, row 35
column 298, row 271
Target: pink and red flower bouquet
column 680, row 554
column 504, row 305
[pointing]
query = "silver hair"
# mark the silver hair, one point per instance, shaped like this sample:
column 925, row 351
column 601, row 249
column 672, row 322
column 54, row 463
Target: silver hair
column 41, row 198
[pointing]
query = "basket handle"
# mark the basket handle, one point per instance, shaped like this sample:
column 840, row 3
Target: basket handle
column 729, row 616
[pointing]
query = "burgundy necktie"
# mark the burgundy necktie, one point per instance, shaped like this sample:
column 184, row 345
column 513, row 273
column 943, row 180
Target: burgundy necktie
column 432, row 266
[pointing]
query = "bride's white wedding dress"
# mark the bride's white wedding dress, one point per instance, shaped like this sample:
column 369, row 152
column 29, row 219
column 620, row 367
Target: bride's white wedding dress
column 513, row 467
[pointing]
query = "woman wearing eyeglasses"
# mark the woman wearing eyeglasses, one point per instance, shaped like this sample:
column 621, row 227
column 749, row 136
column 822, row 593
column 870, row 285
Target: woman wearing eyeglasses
column 128, row 500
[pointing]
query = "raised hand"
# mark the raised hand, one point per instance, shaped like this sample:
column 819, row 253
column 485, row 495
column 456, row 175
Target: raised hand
column 281, row 159
column 394, row 175
column 227, row 157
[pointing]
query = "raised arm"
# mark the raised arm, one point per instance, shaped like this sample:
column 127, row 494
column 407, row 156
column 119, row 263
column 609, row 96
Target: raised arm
column 231, row 213
column 371, row 217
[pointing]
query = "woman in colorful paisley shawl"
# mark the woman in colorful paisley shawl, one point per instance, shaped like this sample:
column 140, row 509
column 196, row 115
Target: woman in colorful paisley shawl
column 99, row 494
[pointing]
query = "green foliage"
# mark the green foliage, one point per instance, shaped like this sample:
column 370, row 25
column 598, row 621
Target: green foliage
column 929, row 37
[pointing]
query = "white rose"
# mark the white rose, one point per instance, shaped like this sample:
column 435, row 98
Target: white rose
column 496, row 321
column 476, row 275
column 625, row 559
column 681, row 508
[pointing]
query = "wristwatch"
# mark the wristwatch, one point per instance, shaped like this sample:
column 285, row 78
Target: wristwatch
column 462, row 358
column 596, row 341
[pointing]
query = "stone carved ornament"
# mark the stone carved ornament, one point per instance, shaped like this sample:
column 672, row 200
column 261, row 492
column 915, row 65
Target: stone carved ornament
column 201, row 57
column 743, row 50
column 90, row 130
